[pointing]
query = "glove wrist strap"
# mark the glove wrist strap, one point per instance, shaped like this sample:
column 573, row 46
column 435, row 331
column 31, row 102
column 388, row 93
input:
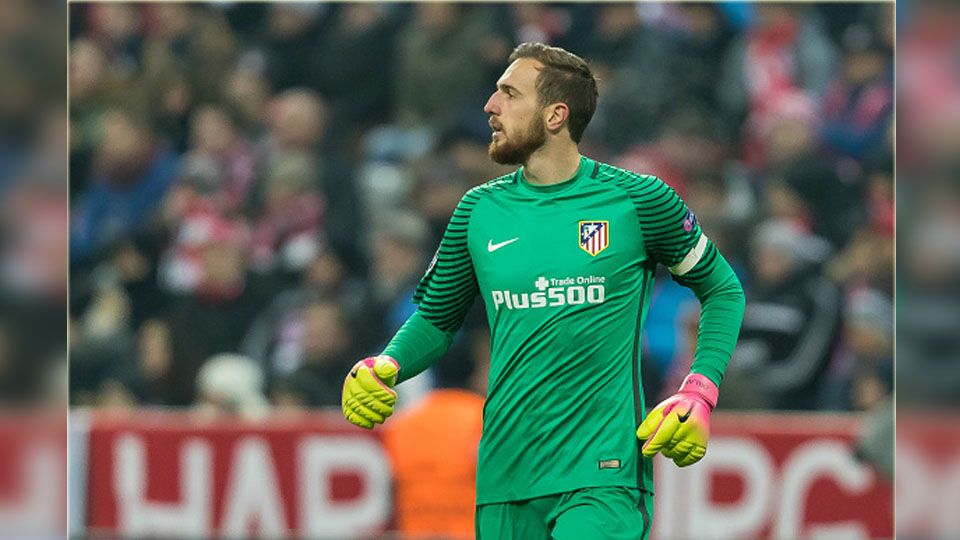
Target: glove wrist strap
column 701, row 386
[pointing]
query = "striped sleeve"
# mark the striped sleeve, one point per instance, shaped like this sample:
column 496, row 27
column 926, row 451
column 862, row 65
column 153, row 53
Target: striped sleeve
column 448, row 288
column 670, row 230
column 674, row 239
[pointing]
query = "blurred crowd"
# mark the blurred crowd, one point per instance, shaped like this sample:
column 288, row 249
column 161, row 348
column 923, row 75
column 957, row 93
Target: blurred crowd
column 33, row 204
column 928, row 169
column 257, row 188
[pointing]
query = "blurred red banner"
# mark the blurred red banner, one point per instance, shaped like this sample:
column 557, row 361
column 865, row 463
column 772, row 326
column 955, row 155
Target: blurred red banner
column 775, row 476
column 172, row 475
column 33, row 479
column 928, row 475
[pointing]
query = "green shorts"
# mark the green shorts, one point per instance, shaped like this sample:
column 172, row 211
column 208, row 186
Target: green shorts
column 600, row 513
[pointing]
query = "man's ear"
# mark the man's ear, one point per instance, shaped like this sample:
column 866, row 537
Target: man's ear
column 555, row 116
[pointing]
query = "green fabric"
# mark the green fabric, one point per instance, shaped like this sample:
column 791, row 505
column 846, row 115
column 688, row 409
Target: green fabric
column 565, row 314
column 721, row 312
column 612, row 513
column 417, row 345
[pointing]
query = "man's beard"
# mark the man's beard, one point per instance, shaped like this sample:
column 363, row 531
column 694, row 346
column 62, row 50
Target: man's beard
column 518, row 149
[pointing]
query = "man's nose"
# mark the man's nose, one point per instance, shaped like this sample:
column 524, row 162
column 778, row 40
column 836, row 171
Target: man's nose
column 491, row 106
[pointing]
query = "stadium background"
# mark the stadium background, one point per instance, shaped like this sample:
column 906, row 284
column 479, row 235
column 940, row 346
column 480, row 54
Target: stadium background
column 256, row 189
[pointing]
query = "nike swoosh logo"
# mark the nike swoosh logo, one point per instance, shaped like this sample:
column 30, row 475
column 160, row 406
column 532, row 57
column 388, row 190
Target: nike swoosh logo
column 683, row 417
column 491, row 247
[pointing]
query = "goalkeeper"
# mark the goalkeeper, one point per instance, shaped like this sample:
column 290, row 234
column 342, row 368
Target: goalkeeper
column 563, row 253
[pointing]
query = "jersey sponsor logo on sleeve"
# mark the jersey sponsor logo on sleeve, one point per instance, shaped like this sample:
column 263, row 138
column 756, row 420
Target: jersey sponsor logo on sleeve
column 690, row 221
column 594, row 236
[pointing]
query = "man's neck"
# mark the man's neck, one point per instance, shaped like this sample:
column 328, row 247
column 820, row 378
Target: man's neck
column 552, row 164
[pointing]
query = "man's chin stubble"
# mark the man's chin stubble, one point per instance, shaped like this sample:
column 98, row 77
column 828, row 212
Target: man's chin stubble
column 508, row 156
column 512, row 155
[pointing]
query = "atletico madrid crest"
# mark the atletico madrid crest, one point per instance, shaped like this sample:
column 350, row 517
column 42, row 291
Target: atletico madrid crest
column 594, row 236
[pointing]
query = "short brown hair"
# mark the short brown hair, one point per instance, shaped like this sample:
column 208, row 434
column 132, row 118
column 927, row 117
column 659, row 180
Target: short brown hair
column 565, row 78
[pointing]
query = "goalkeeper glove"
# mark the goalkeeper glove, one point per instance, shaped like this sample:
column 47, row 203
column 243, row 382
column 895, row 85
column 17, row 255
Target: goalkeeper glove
column 368, row 394
column 680, row 426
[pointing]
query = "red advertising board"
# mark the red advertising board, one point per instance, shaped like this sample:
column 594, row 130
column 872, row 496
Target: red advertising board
column 775, row 476
column 765, row 476
column 166, row 475
column 33, row 486
column 928, row 475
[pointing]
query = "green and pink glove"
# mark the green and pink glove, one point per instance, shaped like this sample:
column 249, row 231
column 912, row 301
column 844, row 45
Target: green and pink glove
column 368, row 395
column 680, row 426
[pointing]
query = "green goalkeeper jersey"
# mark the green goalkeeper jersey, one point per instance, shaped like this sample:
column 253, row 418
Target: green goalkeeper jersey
column 565, row 272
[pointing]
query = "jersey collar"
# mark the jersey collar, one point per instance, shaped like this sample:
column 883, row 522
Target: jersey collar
column 582, row 171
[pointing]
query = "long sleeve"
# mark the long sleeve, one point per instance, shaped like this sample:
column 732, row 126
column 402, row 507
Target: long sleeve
column 443, row 296
column 674, row 239
column 721, row 313
column 417, row 345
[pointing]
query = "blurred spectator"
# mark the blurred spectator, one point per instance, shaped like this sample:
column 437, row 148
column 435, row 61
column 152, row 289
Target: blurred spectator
column 297, row 120
column 400, row 257
column 132, row 173
column 359, row 36
column 135, row 263
column 33, row 281
column 928, row 84
column 185, row 55
column 231, row 385
column 193, row 206
column 928, row 313
column 34, row 221
column 812, row 196
column 440, row 63
column 292, row 32
column 724, row 204
column 869, row 331
column 867, row 260
column 705, row 36
column 857, row 108
column 533, row 22
column 296, row 393
column 432, row 447
column 217, row 314
column 287, row 234
column 785, row 134
column 783, row 62
column 792, row 324
column 324, row 278
column 92, row 90
column 313, row 345
column 246, row 90
column 118, row 29
column 282, row 338
column 191, row 40
column 628, row 60
column 688, row 145
column 215, row 133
